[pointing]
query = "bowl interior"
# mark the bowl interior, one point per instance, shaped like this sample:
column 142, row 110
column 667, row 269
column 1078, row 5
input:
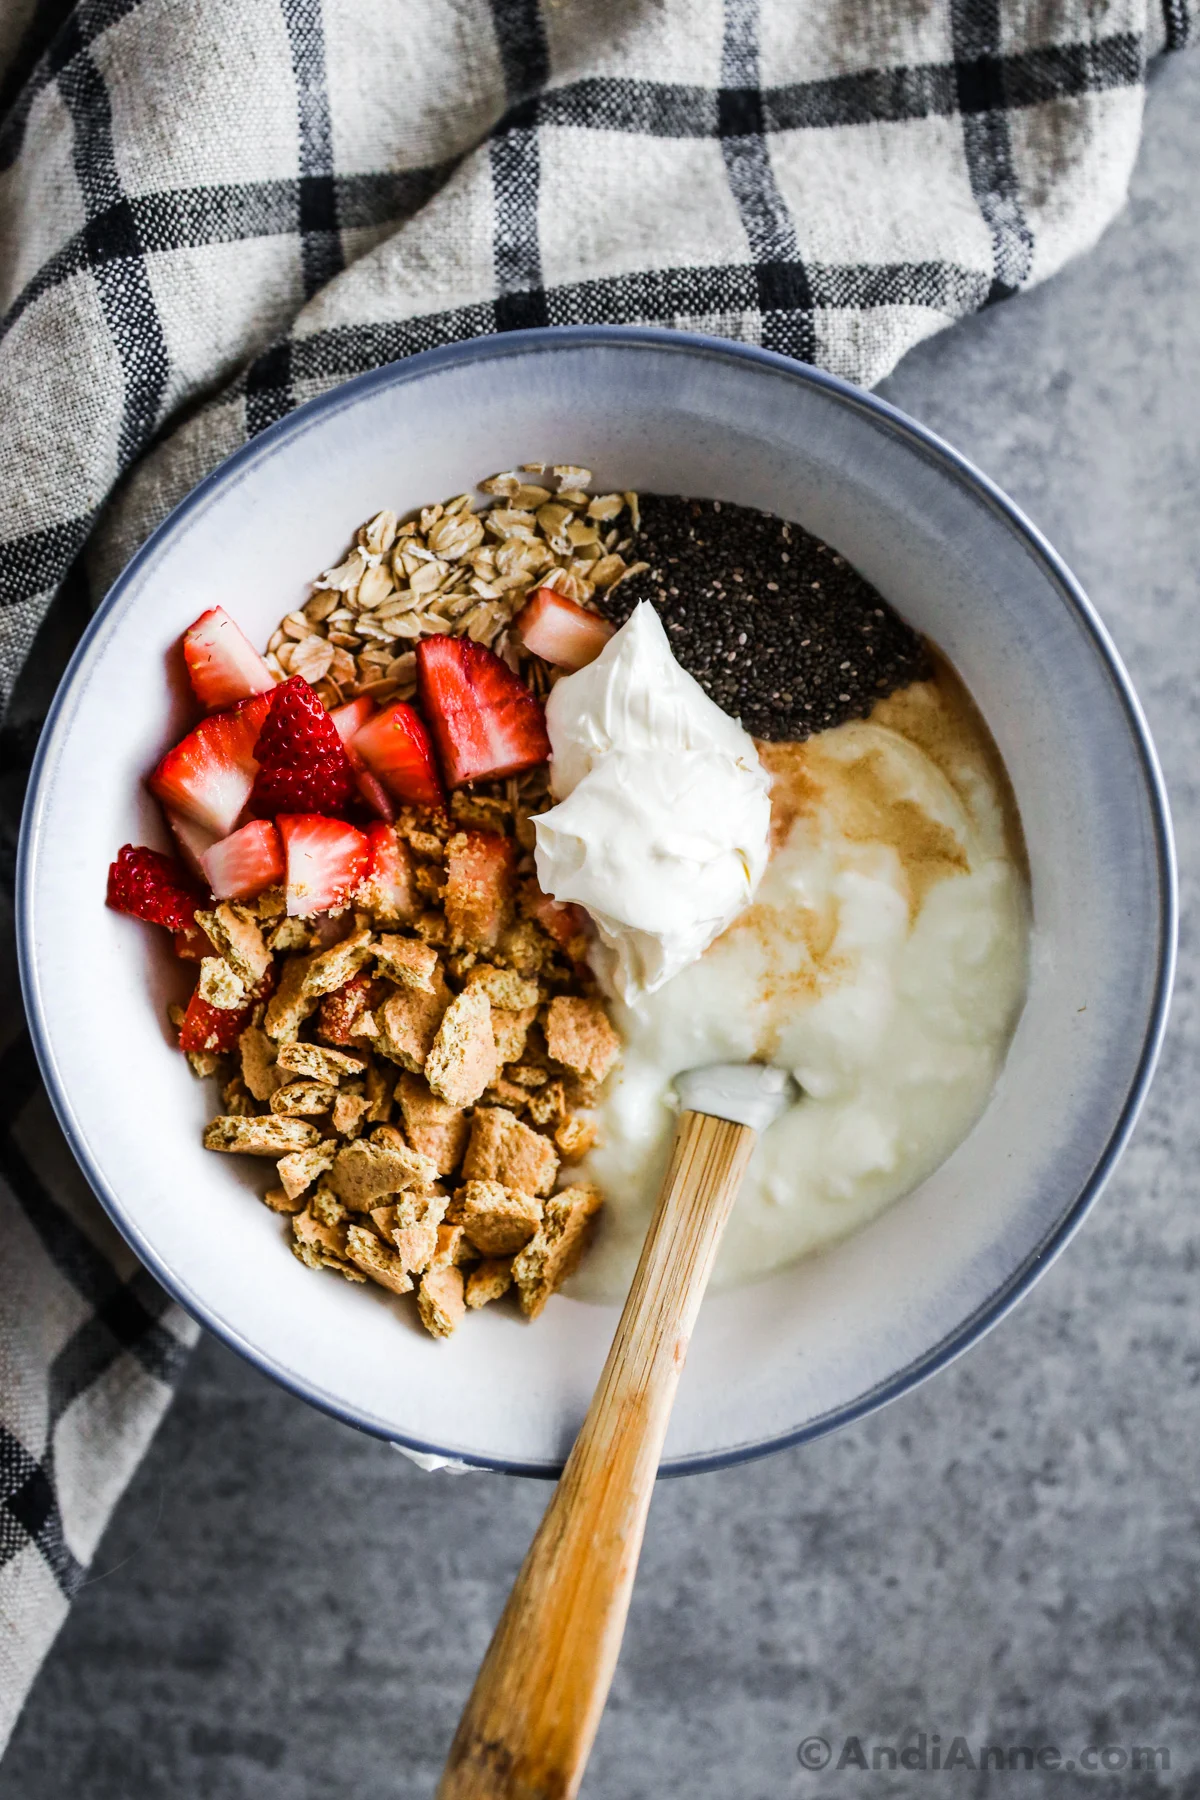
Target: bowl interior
column 823, row 1338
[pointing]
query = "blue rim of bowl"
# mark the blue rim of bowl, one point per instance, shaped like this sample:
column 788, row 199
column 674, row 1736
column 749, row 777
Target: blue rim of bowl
column 543, row 341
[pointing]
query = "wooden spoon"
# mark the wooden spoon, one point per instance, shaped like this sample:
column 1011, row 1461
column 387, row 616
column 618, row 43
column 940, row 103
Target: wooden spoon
column 528, row 1726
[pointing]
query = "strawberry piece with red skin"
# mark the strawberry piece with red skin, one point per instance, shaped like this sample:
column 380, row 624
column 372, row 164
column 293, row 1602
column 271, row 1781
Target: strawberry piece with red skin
column 147, row 885
column 207, row 778
column 194, row 944
column 212, row 1028
column 192, row 840
column 222, row 665
column 479, row 888
column 395, row 746
column 484, row 720
column 563, row 633
column 388, row 887
column 243, row 864
column 341, row 1012
column 563, row 920
column 302, row 766
column 350, row 719
column 325, row 861
column 218, row 1028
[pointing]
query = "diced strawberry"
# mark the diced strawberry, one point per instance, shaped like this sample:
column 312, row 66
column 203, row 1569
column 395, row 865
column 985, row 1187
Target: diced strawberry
column 303, row 767
column 387, row 888
column 342, row 1011
column 213, row 1028
column 562, row 921
column 374, row 793
column 326, row 860
column 350, row 719
column 395, row 745
column 565, row 634
column 484, row 720
column 194, row 944
column 193, row 840
column 222, row 664
column 479, row 883
column 208, row 777
column 153, row 887
column 243, row 864
column 218, row 1028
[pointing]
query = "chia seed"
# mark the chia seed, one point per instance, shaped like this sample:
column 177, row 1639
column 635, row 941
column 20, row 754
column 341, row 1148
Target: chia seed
column 823, row 646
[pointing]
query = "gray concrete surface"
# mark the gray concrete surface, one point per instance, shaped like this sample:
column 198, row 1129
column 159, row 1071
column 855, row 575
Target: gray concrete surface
column 283, row 1609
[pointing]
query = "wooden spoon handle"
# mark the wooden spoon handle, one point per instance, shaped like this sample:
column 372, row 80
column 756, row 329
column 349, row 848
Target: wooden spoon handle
column 537, row 1700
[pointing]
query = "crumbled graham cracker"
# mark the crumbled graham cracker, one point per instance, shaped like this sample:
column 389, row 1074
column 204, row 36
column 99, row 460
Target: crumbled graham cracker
column 574, row 1137
column 325, row 1205
column 235, row 1099
column 548, row 1104
column 407, row 961
column 453, row 1246
column 259, row 1137
column 554, row 1252
column 366, row 1170
column 502, row 1149
column 525, row 948
column 327, row 970
column 430, row 926
column 487, row 1281
column 280, row 1201
column 579, row 1036
column 259, row 1070
column 322, row 1246
column 504, row 987
column 376, row 1261
column 289, row 1005
column 462, row 1058
column 440, row 1300
column 238, row 937
column 348, row 1112
column 300, row 1169
column 504, row 1092
column 528, row 1074
column 317, row 1063
column 412, row 1226
column 488, row 812
column 498, row 1220
column 219, row 986
column 511, row 1029
column 438, row 1130
column 303, row 1099
column 408, row 1024
column 426, row 843
column 379, row 1094
column 289, row 934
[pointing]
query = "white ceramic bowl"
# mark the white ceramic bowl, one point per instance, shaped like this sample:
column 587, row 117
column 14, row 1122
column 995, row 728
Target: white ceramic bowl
column 825, row 1339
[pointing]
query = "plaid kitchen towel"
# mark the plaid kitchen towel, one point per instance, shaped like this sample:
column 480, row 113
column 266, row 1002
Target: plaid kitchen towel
column 211, row 210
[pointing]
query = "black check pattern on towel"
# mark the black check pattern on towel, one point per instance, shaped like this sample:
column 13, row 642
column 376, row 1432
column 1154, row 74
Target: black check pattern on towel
column 212, row 210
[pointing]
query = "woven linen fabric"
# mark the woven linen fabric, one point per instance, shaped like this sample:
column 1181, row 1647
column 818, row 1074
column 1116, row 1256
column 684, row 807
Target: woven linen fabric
column 212, row 210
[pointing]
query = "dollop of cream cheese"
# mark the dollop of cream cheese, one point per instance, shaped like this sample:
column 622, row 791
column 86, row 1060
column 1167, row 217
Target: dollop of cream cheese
column 662, row 824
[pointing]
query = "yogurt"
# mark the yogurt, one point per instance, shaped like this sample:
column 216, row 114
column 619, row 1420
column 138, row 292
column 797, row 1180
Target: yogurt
column 882, row 962
column 663, row 819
